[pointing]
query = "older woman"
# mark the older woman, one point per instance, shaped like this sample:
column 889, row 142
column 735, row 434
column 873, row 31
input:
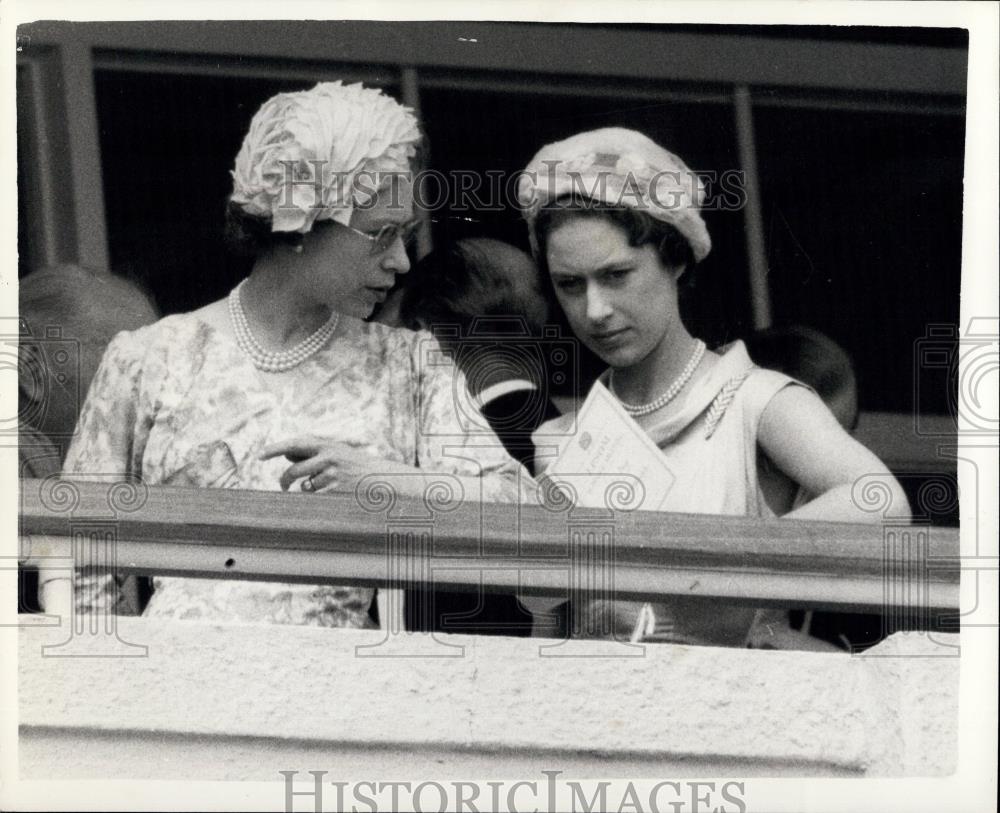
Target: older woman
column 614, row 222
column 286, row 366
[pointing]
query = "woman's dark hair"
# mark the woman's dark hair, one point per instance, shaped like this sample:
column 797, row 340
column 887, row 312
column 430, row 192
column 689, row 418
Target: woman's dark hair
column 472, row 278
column 640, row 229
column 247, row 235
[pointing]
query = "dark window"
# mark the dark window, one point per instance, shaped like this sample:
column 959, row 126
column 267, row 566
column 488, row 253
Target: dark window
column 863, row 224
column 28, row 250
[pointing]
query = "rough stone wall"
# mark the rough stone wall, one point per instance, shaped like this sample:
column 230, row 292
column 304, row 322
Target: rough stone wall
column 243, row 702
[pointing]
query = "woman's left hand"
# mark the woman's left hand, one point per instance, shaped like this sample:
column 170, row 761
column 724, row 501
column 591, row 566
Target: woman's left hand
column 326, row 464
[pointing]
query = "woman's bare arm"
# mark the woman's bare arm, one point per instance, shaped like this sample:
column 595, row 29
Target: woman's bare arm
column 805, row 441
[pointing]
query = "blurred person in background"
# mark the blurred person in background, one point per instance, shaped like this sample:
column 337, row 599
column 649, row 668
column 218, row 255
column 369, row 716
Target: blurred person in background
column 816, row 360
column 481, row 299
column 69, row 314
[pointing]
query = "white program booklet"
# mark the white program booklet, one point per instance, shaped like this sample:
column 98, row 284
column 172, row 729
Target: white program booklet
column 608, row 454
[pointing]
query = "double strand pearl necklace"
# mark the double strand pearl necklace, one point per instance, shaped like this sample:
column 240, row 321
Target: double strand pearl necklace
column 671, row 392
column 271, row 361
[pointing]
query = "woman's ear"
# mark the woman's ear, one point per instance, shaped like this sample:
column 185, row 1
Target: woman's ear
column 675, row 272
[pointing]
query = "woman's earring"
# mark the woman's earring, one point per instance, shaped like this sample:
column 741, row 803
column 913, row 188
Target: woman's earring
column 297, row 248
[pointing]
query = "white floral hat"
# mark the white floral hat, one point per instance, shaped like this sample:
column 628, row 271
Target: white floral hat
column 622, row 168
column 316, row 154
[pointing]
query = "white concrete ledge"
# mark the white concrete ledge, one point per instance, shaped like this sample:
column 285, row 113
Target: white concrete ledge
column 243, row 702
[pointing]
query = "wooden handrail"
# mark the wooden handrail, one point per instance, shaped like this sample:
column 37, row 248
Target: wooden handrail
column 377, row 537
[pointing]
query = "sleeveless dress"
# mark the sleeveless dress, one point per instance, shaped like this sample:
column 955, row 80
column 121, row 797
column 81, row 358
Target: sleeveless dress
column 710, row 445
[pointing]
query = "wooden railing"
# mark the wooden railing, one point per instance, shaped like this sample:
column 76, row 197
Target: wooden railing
column 376, row 537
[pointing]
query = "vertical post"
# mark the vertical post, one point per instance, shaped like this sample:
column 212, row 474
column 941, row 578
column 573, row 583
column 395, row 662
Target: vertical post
column 34, row 147
column 84, row 171
column 410, row 88
column 44, row 158
column 760, row 296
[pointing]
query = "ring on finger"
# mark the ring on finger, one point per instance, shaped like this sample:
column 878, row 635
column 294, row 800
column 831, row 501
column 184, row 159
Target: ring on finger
column 308, row 484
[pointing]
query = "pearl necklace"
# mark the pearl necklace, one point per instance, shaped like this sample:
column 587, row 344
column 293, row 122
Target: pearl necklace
column 672, row 391
column 275, row 361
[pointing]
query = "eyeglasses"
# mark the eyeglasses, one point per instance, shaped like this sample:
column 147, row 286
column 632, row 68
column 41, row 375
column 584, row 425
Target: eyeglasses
column 383, row 239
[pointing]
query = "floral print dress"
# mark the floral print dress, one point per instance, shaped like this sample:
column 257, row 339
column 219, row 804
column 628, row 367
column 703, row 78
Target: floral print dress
column 178, row 403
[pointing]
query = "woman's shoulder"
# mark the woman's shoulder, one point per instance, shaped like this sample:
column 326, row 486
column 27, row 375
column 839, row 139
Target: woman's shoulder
column 418, row 351
column 401, row 336
column 375, row 334
column 214, row 315
column 173, row 336
column 141, row 339
column 735, row 365
column 742, row 382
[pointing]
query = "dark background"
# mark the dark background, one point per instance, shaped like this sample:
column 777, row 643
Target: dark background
column 862, row 209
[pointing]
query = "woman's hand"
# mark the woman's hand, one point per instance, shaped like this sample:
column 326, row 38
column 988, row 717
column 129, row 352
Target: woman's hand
column 328, row 465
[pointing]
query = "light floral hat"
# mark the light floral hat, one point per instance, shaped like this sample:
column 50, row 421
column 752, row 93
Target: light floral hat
column 621, row 168
column 316, row 154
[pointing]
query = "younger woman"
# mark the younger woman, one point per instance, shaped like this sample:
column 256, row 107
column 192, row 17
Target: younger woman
column 614, row 222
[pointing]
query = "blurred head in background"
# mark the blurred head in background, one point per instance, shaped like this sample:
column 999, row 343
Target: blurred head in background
column 473, row 278
column 69, row 315
column 814, row 359
column 482, row 300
